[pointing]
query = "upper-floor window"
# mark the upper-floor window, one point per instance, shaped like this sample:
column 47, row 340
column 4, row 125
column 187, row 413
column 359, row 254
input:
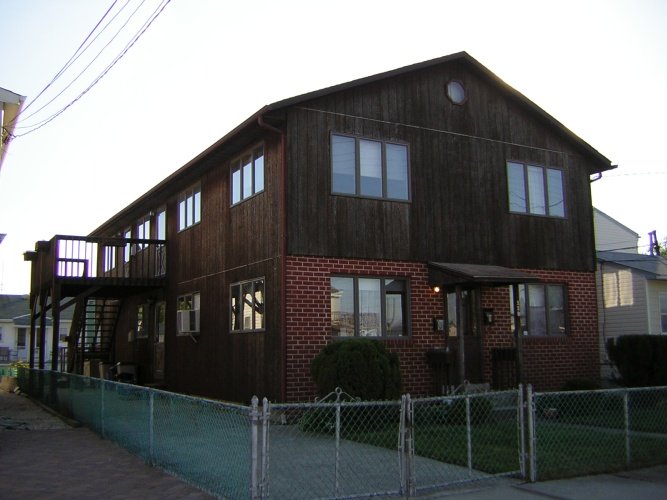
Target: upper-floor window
column 541, row 309
column 364, row 167
column 535, row 190
column 247, row 175
column 368, row 307
column 189, row 207
column 247, row 306
column 143, row 231
column 21, row 335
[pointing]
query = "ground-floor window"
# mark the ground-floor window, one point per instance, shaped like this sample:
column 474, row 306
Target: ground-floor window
column 663, row 312
column 247, row 306
column 542, row 309
column 187, row 313
column 368, row 307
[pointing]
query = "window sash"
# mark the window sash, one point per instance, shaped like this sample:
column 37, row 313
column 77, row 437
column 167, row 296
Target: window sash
column 247, row 175
column 663, row 312
column 369, row 168
column 542, row 309
column 368, row 307
column 535, row 190
column 247, row 306
column 189, row 208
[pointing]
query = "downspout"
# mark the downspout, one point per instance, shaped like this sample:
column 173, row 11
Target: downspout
column 283, row 249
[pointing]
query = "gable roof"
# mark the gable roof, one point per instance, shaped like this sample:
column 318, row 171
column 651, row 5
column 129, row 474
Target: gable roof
column 171, row 185
column 653, row 266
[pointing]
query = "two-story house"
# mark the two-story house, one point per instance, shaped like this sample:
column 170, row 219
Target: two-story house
column 432, row 207
column 15, row 330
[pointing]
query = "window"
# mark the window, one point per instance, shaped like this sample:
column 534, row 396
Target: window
column 160, row 249
column 142, row 316
column 663, row 312
column 247, row 175
column 21, row 335
column 368, row 307
column 160, row 321
column 541, row 309
column 127, row 234
column 535, row 190
column 187, row 313
column 247, row 306
column 143, row 231
column 189, row 208
column 369, row 168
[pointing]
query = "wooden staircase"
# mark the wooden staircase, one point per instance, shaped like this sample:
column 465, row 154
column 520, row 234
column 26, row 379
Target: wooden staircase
column 92, row 333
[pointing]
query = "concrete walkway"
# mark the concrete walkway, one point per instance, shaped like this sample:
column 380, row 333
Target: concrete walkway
column 43, row 457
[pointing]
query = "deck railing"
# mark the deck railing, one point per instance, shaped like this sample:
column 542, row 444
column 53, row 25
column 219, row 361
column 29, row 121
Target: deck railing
column 85, row 257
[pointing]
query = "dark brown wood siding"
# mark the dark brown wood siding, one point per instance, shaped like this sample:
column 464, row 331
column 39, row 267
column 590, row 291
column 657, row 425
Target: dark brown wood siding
column 231, row 244
column 458, row 211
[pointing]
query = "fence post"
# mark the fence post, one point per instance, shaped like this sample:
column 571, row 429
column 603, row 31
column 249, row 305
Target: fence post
column 469, row 434
column 532, row 438
column 102, row 410
column 406, row 445
column 337, row 458
column 151, row 426
column 521, row 424
column 264, row 482
column 254, row 472
column 626, row 421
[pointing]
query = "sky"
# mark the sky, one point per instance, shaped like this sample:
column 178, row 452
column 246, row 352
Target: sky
column 203, row 66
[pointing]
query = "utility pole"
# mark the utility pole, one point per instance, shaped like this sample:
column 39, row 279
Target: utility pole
column 654, row 246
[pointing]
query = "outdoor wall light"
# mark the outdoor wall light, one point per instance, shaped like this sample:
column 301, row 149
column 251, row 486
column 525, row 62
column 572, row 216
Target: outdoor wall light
column 488, row 316
column 436, row 289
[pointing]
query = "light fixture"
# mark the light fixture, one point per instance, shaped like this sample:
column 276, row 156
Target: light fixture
column 436, row 289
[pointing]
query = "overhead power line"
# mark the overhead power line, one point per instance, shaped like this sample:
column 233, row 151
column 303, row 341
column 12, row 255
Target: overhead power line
column 156, row 13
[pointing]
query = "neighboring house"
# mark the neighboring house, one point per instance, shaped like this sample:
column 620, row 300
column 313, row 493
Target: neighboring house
column 612, row 236
column 15, row 330
column 632, row 297
column 417, row 206
column 10, row 107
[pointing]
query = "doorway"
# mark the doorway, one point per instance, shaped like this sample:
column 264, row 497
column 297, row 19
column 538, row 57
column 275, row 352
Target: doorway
column 463, row 324
column 158, row 341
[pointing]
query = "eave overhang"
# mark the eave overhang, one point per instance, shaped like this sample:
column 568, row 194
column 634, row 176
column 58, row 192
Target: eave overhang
column 447, row 275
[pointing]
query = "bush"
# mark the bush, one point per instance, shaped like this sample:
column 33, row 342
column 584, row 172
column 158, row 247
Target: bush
column 360, row 367
column 640, row 359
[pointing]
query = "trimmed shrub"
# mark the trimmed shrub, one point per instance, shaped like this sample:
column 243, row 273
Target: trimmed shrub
column 641, row 360
column 363, row 368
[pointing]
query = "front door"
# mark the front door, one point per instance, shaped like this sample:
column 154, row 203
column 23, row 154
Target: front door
column 466, row 329
column 158, row 341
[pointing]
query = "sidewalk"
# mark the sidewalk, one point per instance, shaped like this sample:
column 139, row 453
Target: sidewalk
column 42, row 457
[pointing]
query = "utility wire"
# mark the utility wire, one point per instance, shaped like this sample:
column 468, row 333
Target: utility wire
column 62, row 70
column 82, row 72
column 130, row 44
column 73, row 59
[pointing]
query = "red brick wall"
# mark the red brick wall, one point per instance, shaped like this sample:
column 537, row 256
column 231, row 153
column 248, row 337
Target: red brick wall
column 548, row 362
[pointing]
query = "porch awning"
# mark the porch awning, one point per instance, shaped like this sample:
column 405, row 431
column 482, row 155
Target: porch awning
column 448, row 274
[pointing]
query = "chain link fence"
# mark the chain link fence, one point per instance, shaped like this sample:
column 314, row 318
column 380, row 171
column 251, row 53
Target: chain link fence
column 587, row 432
column 340, row 447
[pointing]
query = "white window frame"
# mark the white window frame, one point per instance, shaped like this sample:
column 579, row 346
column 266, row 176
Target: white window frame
column 190, row 303
column 247, row 175
column 189, row 207
column 662, row 307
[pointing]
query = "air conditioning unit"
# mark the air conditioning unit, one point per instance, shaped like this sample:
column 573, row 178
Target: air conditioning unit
column 188, row 321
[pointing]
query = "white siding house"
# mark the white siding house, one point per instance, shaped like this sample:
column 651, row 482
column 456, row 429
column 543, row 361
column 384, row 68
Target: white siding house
column 15, row 330
column 632, row 297
column 611, row 235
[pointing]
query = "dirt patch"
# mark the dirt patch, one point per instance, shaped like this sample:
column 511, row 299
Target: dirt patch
column 18, row 412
